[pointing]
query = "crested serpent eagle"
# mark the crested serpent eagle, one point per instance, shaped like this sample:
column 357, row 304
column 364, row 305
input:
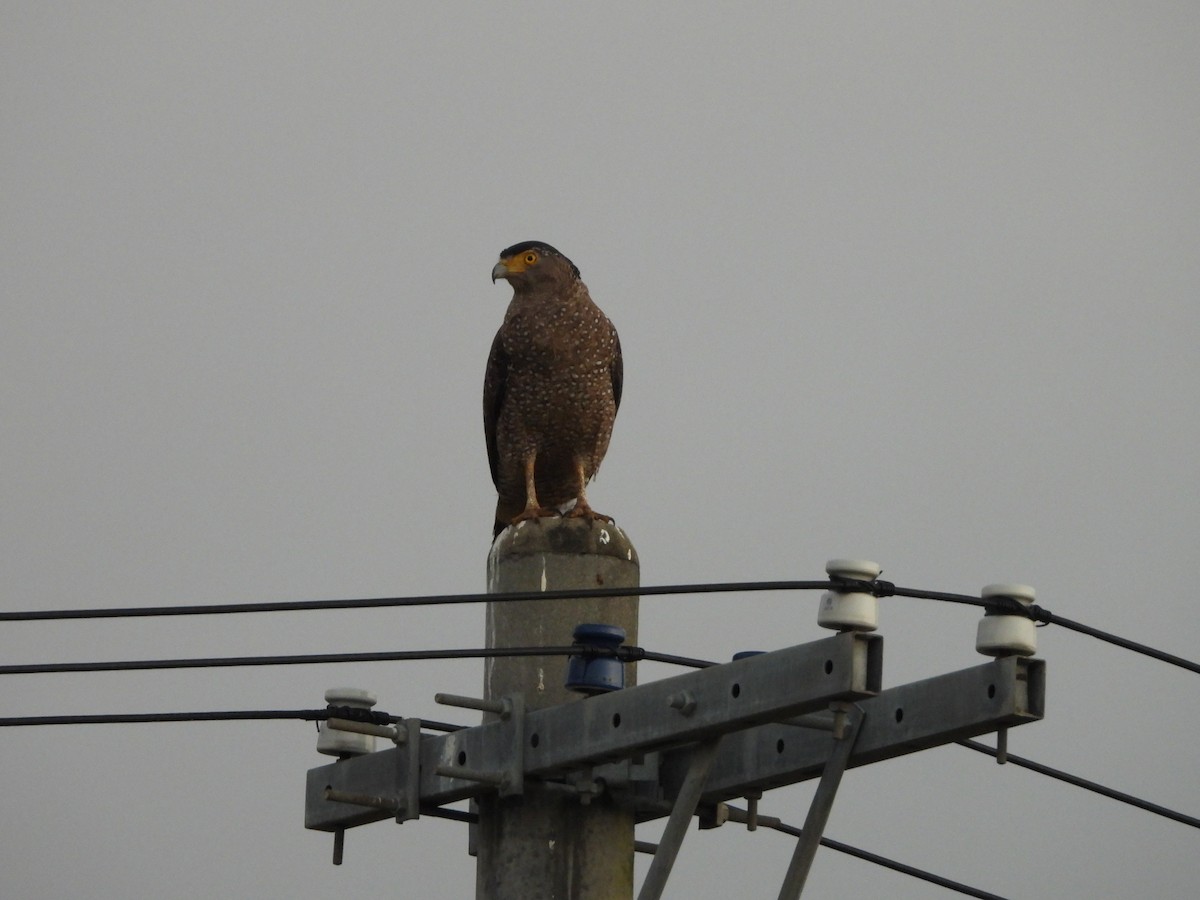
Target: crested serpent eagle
column 551, row 391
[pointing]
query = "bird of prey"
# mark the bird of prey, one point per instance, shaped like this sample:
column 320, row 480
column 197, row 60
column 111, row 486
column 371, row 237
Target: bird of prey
column 551, row 391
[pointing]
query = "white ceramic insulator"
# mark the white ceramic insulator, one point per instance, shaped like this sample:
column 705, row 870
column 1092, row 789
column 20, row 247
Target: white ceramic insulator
column 333, row 742
column 1022, row 593
column 848, row 610
column 858, row 569
column 1007, row 635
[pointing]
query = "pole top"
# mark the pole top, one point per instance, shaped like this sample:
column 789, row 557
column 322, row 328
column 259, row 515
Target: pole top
column 584, row 537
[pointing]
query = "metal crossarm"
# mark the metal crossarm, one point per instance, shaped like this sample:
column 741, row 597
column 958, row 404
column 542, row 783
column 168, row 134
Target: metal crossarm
column 669, row 713
column 1004, row 693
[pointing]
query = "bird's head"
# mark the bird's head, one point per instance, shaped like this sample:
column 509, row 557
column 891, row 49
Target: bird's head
column 533, row 263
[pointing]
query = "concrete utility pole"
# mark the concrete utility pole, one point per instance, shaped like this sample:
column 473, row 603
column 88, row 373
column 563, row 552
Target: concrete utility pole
column 547, row 844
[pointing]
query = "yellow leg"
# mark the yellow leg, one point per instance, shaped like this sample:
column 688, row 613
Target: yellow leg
column 581, row 509
column 532, row 509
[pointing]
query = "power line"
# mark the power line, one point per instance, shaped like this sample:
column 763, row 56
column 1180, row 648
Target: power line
column 321, row 714
column 234, row 715
column 1124, row 643
column 736, row 814
column 626, row 654
column 878, row 588
column 765, row 821
column 1087, row 785
column 139, row 718
column 1045, row 617
column 770, row 822
column 425, row 600
column 896, row 866
column 775, row 824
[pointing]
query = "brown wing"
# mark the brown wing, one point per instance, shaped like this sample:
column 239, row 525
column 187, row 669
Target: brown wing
column 618, row 371
column 495, row 380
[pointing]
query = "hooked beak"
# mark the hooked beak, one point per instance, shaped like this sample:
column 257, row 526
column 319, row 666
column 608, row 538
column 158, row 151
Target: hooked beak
column 500, row 270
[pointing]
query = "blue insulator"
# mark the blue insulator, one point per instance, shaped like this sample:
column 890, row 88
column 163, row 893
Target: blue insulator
column 743, row 654
column 588, row 674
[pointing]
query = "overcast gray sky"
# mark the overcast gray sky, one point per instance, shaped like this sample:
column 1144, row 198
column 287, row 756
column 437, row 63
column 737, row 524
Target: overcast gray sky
column 914, row 282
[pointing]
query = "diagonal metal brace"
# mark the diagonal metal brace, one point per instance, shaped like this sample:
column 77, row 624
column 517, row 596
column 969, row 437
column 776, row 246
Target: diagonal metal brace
column 408, row 769
column 681, row 816
column 850, row 718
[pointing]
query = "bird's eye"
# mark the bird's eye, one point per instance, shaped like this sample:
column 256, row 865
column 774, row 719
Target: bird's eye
column 530, row 258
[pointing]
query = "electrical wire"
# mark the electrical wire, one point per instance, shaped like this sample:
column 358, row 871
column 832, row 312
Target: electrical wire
column 650, row 848
column 742, row 816
column 1085, row 784
column 124, row 612
column 321, row 714
column 1124, row 643
column 233, row 715
column 1045, row 617
column 625, row 653
column 764, row 821
column 896, row 866
column 877, row 588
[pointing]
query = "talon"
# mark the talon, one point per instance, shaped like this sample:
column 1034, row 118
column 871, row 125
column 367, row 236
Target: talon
column 583, row 511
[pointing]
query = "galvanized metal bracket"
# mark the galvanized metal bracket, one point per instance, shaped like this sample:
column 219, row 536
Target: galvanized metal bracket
column 702, row 757
column 406, row 797
column 632, row 781
column 408, row 769
column 509, row 780
column 849, row 718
